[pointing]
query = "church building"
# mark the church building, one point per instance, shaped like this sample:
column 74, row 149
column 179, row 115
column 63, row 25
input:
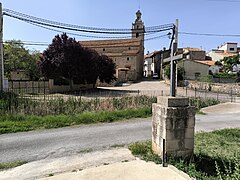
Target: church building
column 128, row 54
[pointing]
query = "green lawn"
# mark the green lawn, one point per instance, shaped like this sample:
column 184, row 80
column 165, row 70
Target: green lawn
column 18, row 123
column 216, row 155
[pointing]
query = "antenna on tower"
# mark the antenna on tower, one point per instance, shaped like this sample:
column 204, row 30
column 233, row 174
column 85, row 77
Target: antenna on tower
column 139, row 4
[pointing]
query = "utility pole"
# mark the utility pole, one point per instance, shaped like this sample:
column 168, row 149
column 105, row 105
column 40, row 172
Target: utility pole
column 1, row 49
column 174, row 46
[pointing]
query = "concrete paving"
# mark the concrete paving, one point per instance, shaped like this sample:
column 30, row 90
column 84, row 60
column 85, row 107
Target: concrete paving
column 134, row 170
column 104, row 165
column 222, row 108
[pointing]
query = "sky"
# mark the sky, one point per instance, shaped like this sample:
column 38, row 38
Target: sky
column 195, row 16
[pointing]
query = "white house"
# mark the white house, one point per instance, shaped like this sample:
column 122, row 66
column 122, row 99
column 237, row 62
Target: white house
column 226, row 50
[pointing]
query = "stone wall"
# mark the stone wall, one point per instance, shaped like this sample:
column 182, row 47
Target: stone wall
column 216, row 87
column 66, row 88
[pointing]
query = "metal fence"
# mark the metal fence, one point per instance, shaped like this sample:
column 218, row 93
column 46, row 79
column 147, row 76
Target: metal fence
column 28, row 87
column 231, row 96
column 35, row 89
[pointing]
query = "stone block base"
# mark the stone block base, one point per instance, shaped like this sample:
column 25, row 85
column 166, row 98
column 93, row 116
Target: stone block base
column 173, row 120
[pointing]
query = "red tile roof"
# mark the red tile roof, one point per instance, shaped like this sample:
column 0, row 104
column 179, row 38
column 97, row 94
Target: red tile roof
column 207, row 62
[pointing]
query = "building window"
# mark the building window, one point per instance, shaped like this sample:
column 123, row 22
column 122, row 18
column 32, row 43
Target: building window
column 231, row 49
column 128, row 58
column 137, row 35
column 129, row 48
column 103, row 49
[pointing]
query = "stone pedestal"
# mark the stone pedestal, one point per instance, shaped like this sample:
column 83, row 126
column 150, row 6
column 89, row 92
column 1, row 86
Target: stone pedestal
column 173, row 120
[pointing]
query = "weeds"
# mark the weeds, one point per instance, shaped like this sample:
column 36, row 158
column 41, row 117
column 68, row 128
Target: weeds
column 212, row 158
column 200, row 103
column 13, row 104
column 9, row 165
column 17, row 123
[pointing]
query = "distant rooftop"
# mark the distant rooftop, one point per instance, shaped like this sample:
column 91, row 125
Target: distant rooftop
column 207, row 62
column 191, row 49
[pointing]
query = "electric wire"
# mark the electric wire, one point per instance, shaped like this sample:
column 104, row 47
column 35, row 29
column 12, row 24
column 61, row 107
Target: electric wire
column 209, row 34
column 46, row 22
column 88, row 45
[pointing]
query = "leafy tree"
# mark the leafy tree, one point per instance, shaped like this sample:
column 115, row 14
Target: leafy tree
column 65, row 58
column 16, row 57
column 228, row 62
column 180, row 72
column 107, row 69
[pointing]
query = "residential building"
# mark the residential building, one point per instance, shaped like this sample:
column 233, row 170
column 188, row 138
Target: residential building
column 193, row 53
column 193, row 69
column 148, row 68
column 196, row 63
column 226, row 50
column 128, row 54
column 153, row 62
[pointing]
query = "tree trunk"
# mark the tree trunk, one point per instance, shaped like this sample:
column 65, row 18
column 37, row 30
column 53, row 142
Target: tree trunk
column 71, row 85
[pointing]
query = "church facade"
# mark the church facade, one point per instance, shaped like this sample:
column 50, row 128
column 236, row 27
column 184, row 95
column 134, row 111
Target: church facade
column 128, row 54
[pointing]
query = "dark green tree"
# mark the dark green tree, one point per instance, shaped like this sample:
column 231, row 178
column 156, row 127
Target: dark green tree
column 65, row 58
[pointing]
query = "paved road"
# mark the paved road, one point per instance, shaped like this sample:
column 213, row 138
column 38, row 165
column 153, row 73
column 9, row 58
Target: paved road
column 38, row 145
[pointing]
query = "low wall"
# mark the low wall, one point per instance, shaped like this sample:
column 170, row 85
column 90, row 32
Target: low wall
column 215, row 87
column 66, row 88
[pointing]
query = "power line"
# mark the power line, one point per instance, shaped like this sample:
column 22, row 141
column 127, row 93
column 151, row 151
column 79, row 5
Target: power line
column 27, row 43
column 53, row 26
column 209, row 34
column 32, row 43
column 231, row 1
column 89, row 36
column 8, row 11
column 45, row 22
column 83, row 30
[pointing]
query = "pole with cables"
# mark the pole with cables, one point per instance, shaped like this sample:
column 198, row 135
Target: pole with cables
column 1, row 50
column 173, row 75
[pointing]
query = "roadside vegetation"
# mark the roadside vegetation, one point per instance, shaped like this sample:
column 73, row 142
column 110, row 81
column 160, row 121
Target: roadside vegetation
column 216, row 155
column 13, row 104
column 19, row 113
column 4, row 166
column 18, row 123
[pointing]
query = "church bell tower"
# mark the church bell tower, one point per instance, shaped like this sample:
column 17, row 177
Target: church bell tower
column 138, row 28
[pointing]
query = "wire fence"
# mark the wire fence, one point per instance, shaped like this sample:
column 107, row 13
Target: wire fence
column 195, row 93
column 35, row 100
column 40, row 90
column 28, row 87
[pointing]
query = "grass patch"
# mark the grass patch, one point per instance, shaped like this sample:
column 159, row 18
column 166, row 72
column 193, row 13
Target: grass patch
column 18, row 113
column 118, row 145
column 11, row 103
column 202, row 103
column 18, row 123
column 216, row 155
column 200, row 113
column 4, row 166
column 85, row 150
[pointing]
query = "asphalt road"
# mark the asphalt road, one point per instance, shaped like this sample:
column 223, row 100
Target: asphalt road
column 36, row 145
